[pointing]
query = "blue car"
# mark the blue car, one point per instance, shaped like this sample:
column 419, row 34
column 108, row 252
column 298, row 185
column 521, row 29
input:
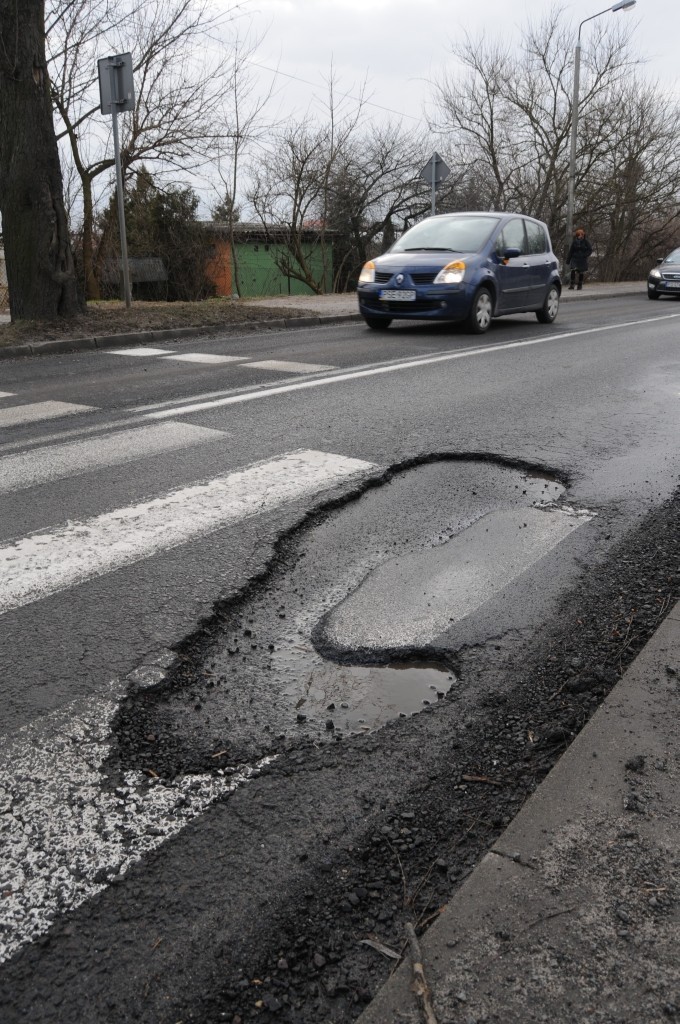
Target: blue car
column 466, row 267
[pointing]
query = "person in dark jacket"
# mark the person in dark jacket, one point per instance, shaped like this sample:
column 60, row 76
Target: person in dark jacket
column 577, row 258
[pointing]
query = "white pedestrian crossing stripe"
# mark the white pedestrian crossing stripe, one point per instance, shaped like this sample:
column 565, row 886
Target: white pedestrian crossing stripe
column 57, row 462
column 145, row 350
column 45, row 563
column 288, row 367
column 71, row 834
column 6, row 394
column 18, row 415
column 204, row 357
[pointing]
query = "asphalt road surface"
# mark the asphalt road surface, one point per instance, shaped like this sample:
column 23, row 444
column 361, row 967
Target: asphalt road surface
column 289, row 624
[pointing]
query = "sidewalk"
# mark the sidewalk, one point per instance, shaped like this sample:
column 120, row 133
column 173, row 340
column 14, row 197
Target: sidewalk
column 313, row 310
column 573, row 916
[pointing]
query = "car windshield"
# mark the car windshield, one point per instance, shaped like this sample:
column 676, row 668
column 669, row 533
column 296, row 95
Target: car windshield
column 673, row 257
column 447, row 234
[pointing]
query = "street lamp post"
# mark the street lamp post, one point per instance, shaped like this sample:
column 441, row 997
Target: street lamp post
column 622, row 5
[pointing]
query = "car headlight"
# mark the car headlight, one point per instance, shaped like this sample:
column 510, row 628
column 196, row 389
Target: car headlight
column 367, row 275
column 452, row 273
column 656, row 274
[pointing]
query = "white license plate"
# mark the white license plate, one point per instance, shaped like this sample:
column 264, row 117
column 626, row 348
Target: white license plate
column 394, row 295
column 672, row 284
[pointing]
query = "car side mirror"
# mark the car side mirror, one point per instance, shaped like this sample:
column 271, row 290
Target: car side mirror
column 511, row 252
column 659, row 261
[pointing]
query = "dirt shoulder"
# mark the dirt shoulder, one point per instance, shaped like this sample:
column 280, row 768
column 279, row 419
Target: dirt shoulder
column 102, row 319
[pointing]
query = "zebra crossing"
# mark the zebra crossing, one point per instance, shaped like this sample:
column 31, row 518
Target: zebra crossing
column 212, row 359
column 65, row 834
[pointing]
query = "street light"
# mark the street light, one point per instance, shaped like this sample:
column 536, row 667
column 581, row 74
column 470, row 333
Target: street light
column 622, row 5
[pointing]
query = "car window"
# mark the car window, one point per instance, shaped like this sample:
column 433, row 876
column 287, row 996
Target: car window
column 535, row 237
column 512, row 237
column 673, row 257
column 459, row 234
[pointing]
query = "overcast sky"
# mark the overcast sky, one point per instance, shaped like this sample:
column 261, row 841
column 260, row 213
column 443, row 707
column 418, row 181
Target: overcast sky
column 398, row 45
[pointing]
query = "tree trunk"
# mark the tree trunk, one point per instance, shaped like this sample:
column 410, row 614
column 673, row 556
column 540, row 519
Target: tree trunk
column 40, row 267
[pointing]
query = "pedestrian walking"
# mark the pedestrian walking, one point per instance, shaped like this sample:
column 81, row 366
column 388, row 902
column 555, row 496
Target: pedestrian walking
column 577, row 258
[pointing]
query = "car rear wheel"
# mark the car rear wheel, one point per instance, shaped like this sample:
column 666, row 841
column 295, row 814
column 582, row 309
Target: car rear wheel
column 652, row 295
column 481, row 312
column 550, row 308
column 377, row 323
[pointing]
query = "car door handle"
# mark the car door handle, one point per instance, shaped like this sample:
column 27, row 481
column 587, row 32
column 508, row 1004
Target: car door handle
column 525, row 264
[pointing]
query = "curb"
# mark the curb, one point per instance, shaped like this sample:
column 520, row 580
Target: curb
column 64, row 345
column 552, row 923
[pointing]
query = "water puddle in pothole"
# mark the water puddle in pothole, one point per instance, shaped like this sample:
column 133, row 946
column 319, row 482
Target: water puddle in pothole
column 359, row 698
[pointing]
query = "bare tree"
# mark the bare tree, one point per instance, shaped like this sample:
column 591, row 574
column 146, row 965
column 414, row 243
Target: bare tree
column 336, row 186
column 508, row 117
column 40, row 266
column 244, row 127
column 178, row 92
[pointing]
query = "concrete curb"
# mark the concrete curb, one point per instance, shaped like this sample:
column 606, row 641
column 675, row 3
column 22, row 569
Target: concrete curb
column 63, row 345
column 573, row 914
column 60, row 345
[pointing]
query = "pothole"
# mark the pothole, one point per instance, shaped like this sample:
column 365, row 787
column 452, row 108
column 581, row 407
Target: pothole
column 349, row 630
column 345, row 699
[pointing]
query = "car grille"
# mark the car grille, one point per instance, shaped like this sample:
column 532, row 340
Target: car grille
column 671, row 277
column 419, row 306
column 382, row 277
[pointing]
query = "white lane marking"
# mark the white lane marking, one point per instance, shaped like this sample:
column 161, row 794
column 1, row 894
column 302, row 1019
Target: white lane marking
column 42, row 564
column 37, row 411
column 288, row 367
column 65, row 834
column 6, row 394
column 415, row 598
column 57, row 462
column 145, row 350
column 411, row 364
column 205, row 357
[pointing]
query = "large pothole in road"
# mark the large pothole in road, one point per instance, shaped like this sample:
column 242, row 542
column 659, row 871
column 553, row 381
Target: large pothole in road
column 342, row 635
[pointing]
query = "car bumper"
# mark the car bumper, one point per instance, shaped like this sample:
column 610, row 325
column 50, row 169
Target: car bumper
column 662, row 287
column 450, row 302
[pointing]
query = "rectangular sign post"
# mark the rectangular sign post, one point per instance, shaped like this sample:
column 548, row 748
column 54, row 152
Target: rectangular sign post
column 434, row 173
column 116, row 93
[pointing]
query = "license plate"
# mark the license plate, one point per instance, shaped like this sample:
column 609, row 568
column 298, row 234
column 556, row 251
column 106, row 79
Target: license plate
column 672, row 284
column 395, row 295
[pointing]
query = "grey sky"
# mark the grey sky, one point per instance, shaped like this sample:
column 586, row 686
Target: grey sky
column 397, row 45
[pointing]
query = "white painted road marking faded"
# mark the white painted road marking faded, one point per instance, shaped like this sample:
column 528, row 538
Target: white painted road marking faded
column 43, row 564
column 204, row 357
column 37, row 411
column 288, row 367
column 145, row 350
column 72, row 833
column 57, row 462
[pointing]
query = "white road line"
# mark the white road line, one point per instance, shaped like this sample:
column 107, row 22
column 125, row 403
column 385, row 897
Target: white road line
column 57, row 462
column 145, row 350
column 65, row 834
column 42, row 564
column 6, row 394
column 37, row 411
column 396, row 367
column 287, row 367
column 205, row 357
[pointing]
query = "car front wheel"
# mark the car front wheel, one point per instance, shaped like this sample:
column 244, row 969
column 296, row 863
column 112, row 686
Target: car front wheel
column 548, row 311
column 377, row 323
column 652, row 295
column 481, row 312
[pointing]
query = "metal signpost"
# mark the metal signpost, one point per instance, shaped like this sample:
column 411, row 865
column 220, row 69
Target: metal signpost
column 435, row 172
column 116, row 94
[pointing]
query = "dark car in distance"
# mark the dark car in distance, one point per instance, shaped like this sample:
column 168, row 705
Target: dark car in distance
column 664, row 278
column 466, row 267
